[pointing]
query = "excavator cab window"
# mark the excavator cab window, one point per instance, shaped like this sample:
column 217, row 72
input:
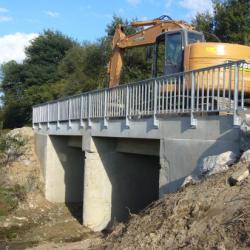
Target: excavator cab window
column 160, row 56
column 195, row 37
column 174, row 53
column 169, row 54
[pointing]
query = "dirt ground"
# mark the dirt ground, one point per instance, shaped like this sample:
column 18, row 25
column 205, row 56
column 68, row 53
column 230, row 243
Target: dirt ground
column 208, row 215
column 35, row 221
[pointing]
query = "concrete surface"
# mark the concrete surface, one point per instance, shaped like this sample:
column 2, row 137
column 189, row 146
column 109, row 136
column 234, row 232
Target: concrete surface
column 63, row 168
column 126, row 168
column 116, row 183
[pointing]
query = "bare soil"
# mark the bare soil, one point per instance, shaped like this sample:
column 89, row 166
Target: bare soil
column 208, row 215
column 33, row 220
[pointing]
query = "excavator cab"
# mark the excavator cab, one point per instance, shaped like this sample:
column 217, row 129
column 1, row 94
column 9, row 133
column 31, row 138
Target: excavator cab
column 169, row 50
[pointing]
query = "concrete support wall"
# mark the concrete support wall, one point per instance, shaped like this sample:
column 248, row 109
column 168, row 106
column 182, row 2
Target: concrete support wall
column 116, row 183
column 182, row 157
column 63, row 168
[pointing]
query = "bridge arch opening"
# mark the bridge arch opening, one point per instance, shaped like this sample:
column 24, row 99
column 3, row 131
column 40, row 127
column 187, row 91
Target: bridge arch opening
column 125, row 175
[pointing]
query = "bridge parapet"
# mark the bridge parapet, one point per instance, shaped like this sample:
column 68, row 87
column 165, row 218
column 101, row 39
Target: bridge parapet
column 218, row 88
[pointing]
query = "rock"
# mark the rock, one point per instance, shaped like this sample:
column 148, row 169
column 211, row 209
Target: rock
column 217, row 163
column 191, row 179
column 245, row 157
column 245, row 133
column 238, row 176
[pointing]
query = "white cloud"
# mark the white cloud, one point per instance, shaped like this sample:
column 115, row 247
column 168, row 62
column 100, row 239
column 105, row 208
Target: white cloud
column 52, row 13
column 5, row 19
column 12, row 46
column 195, row 6
column 134, row 2
column 3, row 10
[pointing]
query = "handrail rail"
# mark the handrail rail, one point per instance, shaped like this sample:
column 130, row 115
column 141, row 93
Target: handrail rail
column 199, row 90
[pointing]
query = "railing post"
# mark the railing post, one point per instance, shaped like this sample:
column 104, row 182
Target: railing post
column 156, row 121
column 89, row 110
column 58, row 116
column 193, row 120
column 81, row 111
column 69, row 112
column 48, row 116
column 127, row 107
column 33, row 117
column 40, row 118
column 236, row 117
column 105, row 121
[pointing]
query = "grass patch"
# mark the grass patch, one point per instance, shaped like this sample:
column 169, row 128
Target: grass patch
column 9, row 198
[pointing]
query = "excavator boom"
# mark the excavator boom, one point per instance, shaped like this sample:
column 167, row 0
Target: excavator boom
column 144, row 37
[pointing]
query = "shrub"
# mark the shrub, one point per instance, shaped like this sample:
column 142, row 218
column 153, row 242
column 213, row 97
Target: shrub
column 12, row 146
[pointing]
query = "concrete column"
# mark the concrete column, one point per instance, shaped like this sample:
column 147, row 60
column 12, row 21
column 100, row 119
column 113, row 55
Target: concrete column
column 63, row 168
column 97, row 193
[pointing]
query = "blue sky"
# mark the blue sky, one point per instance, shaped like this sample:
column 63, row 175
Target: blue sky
column 81, row 19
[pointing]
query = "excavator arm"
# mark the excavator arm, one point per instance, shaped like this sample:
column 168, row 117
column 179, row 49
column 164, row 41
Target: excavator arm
column 144, row 37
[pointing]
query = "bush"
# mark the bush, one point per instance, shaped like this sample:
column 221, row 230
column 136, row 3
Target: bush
column 12, row 146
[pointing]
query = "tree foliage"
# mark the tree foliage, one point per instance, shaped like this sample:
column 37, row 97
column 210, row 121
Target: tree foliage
column 230, row 21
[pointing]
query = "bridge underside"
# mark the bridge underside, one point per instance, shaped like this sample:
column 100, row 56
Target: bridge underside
column 115, row 170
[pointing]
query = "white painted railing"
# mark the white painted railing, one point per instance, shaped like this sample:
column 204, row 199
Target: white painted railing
column 212, row 89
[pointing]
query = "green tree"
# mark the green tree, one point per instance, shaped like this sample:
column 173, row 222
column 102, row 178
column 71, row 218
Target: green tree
column 230, row 22
column 31, row 82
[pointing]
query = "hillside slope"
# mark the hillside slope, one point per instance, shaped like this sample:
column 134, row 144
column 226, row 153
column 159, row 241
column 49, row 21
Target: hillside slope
column 208, row 215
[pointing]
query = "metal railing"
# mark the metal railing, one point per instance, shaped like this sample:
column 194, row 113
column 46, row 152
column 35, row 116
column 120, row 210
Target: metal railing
column 212, row 89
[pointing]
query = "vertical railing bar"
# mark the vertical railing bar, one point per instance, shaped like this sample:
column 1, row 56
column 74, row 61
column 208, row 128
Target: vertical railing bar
column 175, row 94
column 183, row 93
column 218, row 90
column 224, row 82
column 162, row 95
column 208, row 91
column 179, row 94
column 149, row 99
column 193, row 120
column 81, row 111
column 104, row 106
column 170, row 105
column 242, row 87
column 197, row 90
column 230, row 82
column 89, row 110
column 187, row 96
column 213, row 90
column 158, row 95
column 236, row 89
column 69, row 112
column 48, row 120
column 167, row 99
column 202, row 92
column 127, row 106
column 156, row 124
column 139, row 99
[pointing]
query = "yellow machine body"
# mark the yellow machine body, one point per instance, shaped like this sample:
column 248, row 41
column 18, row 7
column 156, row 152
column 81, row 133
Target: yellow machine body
column 201, row 55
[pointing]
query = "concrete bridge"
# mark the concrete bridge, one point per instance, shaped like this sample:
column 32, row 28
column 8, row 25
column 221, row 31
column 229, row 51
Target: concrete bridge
column 117, row 150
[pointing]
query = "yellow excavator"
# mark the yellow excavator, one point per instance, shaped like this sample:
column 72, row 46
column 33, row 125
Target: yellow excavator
column 177, row 48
